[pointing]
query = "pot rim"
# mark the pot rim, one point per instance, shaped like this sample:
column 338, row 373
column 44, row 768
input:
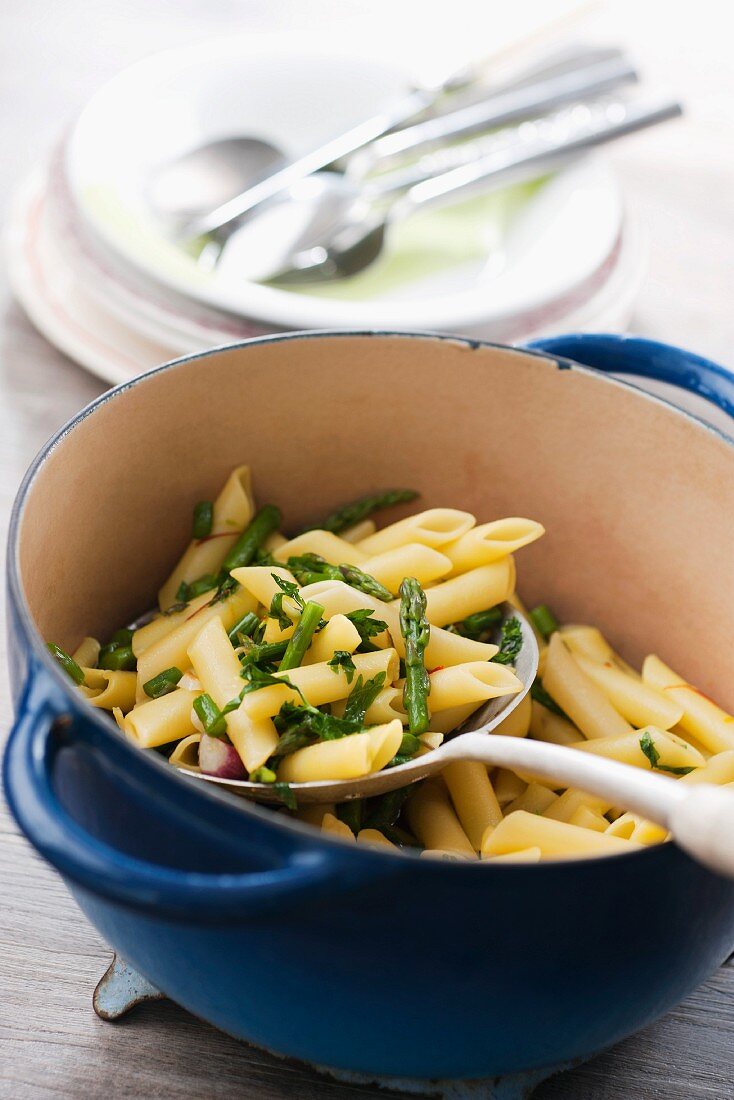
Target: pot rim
column 151, row 760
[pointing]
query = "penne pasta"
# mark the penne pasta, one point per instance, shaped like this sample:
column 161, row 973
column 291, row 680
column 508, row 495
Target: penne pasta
column 581, row 699
column 232, row 511
column 672, row 751
column 87, row 653
column 332, row 825
column 639, row 703
column 536, row 799
column 470, row 683
column 437, row 527
column 110, row 690
column 186, row 753
column 171, row 651
column 556, row 839
column 434, row 821
column 633, row 827
column 161, row 721
column 331, row 547
column 319, row 683
column 524, row 855
column 711, row 725
column 348, row 758
column 546, row 726
column 373, row 837
column 411, row 560
column 339, row 634
column 481, row 588
column 489, row 542
column 473, row 798
column 359, row 531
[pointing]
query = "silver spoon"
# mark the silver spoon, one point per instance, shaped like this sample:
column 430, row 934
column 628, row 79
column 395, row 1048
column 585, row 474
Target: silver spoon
column 700, row 816
column 218, row 223
column 545, row 144
column 203, row 178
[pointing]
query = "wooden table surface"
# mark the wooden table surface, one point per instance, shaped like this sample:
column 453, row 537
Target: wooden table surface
column 680, row 182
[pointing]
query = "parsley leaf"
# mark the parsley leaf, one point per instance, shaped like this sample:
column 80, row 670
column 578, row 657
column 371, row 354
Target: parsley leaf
column 362, row 696
column 367, row 627
column 286, row 795
column 287, row 588
column 342, row 662
column 650, row 750
column 511, row 643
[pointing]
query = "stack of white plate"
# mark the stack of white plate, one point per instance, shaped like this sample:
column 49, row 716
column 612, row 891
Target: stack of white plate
column 102, row 280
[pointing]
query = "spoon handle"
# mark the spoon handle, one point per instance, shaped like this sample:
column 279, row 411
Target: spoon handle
column 498, row 110
column 544, row 144
column 701, row 816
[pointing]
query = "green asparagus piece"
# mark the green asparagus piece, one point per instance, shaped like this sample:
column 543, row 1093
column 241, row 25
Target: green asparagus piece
column 249, row 626
column 210, row 716
column 164, row 683
column 122, row 637
column 263, row 524
column 263, row 774
column 117, row 658
column 365, row 583
column 478, row 625
column 203, row 519
column 69, row 665
column 360, row 509
column 416, row 633
column 302, row 635
column 544, row 620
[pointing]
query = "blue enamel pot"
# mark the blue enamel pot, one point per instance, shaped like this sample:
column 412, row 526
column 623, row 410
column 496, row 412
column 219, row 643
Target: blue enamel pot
column 350, row 957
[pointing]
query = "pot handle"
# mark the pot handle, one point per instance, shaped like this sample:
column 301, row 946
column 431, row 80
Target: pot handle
column 619, row 354
column 40, row 730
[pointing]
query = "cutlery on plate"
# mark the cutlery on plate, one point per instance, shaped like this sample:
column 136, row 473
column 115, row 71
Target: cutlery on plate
column 610, row 67
column 544, row 144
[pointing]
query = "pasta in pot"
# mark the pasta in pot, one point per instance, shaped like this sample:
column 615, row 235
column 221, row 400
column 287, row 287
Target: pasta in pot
column 346, row 649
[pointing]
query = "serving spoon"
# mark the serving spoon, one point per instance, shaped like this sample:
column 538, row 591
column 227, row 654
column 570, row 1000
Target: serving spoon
column 700, row 816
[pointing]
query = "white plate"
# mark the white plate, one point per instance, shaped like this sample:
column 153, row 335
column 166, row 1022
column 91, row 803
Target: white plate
column 60, row 297
column 452, row 270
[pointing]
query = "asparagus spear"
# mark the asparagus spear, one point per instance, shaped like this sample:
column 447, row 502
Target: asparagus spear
column 544, row 620
column 360, row 509
column 203, row 519
column 416, row 632
column 301, row 637
column 69, row 665
column 263, row 524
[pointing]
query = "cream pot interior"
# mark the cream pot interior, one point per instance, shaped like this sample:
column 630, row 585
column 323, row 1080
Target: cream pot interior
column 637, row 498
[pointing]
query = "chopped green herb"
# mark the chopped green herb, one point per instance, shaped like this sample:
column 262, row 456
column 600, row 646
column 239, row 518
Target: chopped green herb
column 544, row 620
column 416, row 633
column 478, row 626
column 203, row 519
column 286, row 795
column 538, row 692
column 256, row 678
column 300, row 640
column 249, row 626
column 400, row 758
column 367, row 627
column 351, row 813
column 358, row 510
column 164, row 683
column 362, row 696
column 650, row 750
column 249, row 542
column 292, row 591
column 511, row 643
column 69, row 665
column 263, row 774
column 117, row 658
column 342, row 662
column 301, row 725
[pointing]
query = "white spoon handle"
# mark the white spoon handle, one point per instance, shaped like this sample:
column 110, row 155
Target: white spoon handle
column 701, row 817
